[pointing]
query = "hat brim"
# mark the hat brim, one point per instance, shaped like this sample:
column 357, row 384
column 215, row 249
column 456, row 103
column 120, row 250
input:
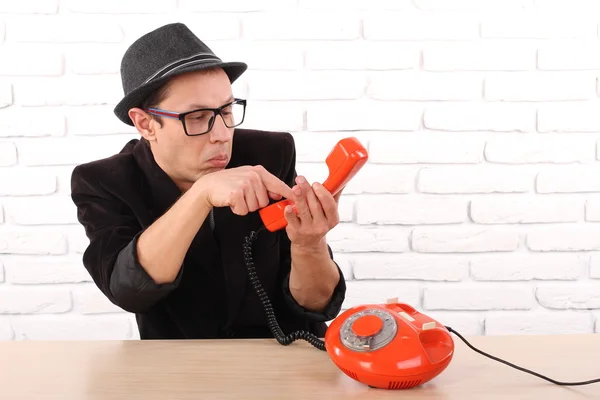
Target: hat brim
column 133, row 99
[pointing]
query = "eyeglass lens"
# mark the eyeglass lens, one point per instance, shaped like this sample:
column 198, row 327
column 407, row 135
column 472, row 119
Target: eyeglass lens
column 201, row 121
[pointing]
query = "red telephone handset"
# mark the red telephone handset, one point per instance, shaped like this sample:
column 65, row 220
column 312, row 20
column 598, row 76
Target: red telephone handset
column 389, row 346
column 344, row 161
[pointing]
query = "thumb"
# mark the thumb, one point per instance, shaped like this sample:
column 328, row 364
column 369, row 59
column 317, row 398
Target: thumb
column 274, row 196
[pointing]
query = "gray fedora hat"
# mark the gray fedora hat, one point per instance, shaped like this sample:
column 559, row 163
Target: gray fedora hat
column 159, row 55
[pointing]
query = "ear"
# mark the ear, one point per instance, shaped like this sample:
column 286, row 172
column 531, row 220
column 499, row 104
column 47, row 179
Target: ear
column 143, row 123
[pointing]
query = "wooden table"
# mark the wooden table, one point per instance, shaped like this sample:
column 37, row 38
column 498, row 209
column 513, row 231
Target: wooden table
column 263, row 369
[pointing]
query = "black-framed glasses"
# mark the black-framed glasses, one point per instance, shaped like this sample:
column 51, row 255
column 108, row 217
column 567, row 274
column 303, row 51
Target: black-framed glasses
column 201, row 121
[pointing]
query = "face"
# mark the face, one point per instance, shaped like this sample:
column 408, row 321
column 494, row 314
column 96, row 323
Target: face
column 186, row 158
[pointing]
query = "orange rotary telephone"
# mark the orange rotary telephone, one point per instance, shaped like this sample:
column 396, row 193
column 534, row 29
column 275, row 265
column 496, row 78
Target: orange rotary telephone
column 390, row 346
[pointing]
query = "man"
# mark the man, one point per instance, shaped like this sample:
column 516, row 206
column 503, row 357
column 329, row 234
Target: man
column 168, row 216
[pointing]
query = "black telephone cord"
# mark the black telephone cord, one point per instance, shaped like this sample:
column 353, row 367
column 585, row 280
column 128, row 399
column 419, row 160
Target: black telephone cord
column 320, row 344
column 264, row 299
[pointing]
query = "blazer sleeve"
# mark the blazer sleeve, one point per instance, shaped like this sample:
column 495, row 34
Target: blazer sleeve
column 111, row 256
column 335, row 304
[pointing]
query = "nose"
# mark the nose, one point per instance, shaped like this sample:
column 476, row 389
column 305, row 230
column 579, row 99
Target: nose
column 219, row 131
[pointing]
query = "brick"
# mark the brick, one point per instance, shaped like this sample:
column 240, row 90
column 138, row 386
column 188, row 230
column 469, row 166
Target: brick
column 2, row 31
column 467, row 239
column 29, row 7
column 6, row 331
column 34, row 300
column 314, row 147
column 343, row 261
column 64, row 29
column 592, row 210
column 77, row 239
column 418, row 26
column 541, row 27
column 423, row 86
column 595, row 266
column 569, row 179
column 8, row 154
column 475, row 179
column 567, row 117
column 377, row 292
column 26, row 182
column 323, row 85
column 236, row 6
column 473, row 5
column 1, row 271
column 349, row 238
column 567, row 5
column 468, row 323
column 101, row 89
column 410, row 266
column 564, row 238
column 346, row 207
column 263, row 55
column 6, row 93
column 299, row 25
column 467, row 56
column 355, row 115
column 34, row 210
column 105, row 122
column 46, row 271
column 25, row 61
column 88, row 299
column 94, row 59
column 416, row 148
column 527, row 267
column 526, row 210
column 274, row 116
column 207, row 26
column 374, row 55
column 538, row 323
column 477, row 297
column 537, row 86
column 569, row 56
column 354, row 4
column 582, row 296
column 70, row 151
column 29, row 242
column 121, row 7
column 381, row 179
column 17, row 122
column 480, row 117
column 410, row 210
column 527, row 149
column 74, row 327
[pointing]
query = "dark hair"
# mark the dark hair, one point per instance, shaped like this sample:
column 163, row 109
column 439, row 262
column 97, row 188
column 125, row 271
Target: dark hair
column 154, row 99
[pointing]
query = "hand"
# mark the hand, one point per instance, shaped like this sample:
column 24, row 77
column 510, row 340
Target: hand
column 316, row 214
column 243, row 189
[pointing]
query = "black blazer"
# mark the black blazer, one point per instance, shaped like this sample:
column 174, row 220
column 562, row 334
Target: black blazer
column 120, row 196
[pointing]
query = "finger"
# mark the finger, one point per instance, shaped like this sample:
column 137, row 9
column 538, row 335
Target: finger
column 274, row 184
column 328, row 204
column 337, row 196
column 291, row 217
column 301, row 204
column 260, row 192
column 238, row 203
column 274, row 196
column 314, row 205
column 250, row 197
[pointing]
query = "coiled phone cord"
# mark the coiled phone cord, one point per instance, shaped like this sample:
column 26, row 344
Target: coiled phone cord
column 320, row 344
column 264, row 299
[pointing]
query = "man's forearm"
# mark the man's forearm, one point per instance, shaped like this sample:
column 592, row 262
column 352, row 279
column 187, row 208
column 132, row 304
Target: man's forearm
column 162, row 247
column 313, row 276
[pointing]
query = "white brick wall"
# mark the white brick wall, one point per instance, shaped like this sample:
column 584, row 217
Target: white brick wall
column 479, row 206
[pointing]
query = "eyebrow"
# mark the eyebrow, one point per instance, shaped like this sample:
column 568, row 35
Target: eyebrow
column 196, row 106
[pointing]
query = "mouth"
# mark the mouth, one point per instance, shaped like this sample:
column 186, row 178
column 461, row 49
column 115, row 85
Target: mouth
column 219, row 160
